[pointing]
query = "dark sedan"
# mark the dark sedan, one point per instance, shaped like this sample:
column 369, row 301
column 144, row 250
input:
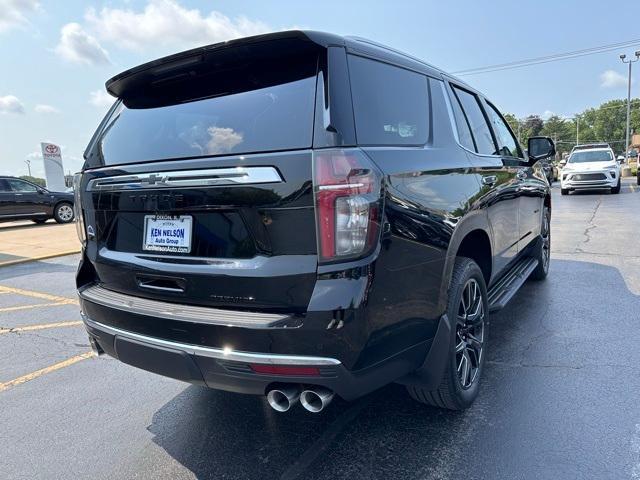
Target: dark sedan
column 23, row 200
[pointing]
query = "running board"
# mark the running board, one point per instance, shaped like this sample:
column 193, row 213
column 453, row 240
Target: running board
column 509, row 284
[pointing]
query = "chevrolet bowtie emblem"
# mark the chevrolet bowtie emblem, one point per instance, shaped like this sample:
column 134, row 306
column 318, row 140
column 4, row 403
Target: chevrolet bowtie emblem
column 153, row 179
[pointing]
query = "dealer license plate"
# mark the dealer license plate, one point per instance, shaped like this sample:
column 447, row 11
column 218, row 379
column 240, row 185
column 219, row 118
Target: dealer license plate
column 167, row 233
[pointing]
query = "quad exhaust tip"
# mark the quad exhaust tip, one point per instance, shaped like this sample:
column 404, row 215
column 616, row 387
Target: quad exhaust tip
column 316, row 399
column 282, row 399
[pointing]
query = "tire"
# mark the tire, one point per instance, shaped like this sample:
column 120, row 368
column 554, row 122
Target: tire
column 454, row 392
column 564, row 191
column 39, row 221
column 616, row 189
column 63, row 213
column 543, row 248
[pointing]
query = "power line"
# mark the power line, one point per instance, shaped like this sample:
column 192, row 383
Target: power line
column 548, row 58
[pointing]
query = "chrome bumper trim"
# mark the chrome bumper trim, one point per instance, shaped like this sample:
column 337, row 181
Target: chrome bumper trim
column 186, row 179
column 175, row 311
column 223, row 354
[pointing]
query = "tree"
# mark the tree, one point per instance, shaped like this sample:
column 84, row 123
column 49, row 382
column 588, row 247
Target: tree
column 532, row 126
column 514, row 123
column 605, row 123
column 561, row 131
column 38, row 181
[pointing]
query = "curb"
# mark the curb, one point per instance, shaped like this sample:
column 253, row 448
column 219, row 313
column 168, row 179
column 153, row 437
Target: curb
column 35, row 259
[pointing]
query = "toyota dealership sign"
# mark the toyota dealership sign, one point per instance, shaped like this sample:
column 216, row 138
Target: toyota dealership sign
column 53, row 169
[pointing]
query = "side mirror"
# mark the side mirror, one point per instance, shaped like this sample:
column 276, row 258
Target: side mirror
column 41, row 191
column 539, row 148
column 562, row 162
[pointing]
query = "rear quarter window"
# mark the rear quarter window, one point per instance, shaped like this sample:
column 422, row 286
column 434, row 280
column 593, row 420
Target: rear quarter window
column 391, row 104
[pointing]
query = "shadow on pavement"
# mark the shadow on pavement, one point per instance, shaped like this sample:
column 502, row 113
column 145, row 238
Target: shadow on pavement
column 36, row 267
column 554, row 404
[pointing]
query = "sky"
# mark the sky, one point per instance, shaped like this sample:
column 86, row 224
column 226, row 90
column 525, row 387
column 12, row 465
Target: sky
column 55, row 56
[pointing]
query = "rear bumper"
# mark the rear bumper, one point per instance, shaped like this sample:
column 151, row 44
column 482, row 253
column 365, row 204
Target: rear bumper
column 229, row 370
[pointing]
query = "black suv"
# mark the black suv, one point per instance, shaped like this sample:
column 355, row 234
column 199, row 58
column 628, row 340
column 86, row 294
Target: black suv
column 22, row 200
column 300, row 215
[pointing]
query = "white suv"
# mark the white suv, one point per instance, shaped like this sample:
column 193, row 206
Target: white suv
column 590, row 167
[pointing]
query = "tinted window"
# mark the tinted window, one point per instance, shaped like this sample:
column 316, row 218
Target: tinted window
column 21, row 186
column 4, row 185
column 391, row 104
column 248, row 110
column 507, row 144
column 477, row 122
column 462, row 125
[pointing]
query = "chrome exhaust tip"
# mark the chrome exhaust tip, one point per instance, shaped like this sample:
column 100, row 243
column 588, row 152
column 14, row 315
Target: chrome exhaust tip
column 282, row 399
column 315, row 400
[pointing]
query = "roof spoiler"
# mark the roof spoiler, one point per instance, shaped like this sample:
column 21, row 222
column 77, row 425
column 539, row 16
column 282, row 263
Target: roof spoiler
column 192, row 63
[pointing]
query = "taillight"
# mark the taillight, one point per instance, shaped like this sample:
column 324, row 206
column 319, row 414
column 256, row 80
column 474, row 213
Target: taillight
column 348, row 201
column 77, row 208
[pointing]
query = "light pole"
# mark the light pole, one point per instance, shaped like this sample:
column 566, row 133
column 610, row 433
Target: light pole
column 629, row 62
column 28, row 162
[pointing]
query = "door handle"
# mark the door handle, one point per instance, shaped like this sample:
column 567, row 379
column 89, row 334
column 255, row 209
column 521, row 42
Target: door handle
column 489, row 180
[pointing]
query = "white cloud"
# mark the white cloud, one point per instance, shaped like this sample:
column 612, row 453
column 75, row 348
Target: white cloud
column 547, row 114
column 11, row 104
column 100, row 98
column 166, row 22
column 222, row 140
column 77, row 46
column 43, row 108
column 612, row 79
column 13, row 13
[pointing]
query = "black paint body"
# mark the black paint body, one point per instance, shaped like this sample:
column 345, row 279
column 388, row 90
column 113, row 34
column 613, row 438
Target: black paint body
column 377, row 315
column 36, row 204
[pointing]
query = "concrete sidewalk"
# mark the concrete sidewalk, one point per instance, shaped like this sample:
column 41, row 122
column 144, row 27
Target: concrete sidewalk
column 26, row 241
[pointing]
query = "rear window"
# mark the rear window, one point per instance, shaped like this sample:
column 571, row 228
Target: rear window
column 255, row 108
column 391, row 104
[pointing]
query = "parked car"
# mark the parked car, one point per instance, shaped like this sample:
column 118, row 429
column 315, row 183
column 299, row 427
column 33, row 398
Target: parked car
column 23, row 200
column 307, row 215
column 591, row 167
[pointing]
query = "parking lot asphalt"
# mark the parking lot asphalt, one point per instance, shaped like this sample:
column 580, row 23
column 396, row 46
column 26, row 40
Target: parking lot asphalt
column 559, row 399
column 25, row 241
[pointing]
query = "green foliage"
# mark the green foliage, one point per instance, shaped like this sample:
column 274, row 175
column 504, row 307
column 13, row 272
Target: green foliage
column 38, row 181
column 606, row 123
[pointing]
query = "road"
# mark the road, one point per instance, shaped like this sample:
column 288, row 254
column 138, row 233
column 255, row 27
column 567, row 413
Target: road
column 559, row 399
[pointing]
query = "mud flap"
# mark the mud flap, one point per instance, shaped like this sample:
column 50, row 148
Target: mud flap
column 429, row 375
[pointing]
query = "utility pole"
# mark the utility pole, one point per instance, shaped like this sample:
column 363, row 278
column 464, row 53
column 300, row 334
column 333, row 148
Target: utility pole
column 577, row 130
column 28, row 162
column 629, row 62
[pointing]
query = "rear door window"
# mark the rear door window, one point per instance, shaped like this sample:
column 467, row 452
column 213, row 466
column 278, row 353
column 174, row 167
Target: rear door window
column 477, row 121
column 462, row 125
column 391, row 104
column 4, row 186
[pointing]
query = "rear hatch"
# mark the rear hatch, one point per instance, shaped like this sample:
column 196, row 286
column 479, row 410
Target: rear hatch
column 199, row 182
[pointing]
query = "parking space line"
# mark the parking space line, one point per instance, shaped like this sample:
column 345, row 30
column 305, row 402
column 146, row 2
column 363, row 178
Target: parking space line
column 43, row 371
column 28, row 307
column 43, row 326
column 40, row 295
